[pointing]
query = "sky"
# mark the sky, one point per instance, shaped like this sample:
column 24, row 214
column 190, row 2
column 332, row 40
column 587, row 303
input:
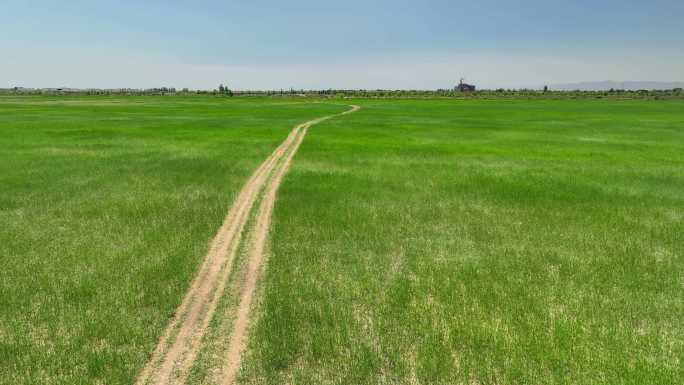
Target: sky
column 352, row 44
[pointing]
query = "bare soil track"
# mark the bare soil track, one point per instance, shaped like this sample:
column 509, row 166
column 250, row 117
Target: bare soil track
column 180, row 343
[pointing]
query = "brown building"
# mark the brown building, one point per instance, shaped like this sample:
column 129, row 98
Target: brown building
column 463, row 87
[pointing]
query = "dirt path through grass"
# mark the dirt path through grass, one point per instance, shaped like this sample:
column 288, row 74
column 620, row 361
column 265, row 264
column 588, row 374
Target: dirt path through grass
column 177, row 349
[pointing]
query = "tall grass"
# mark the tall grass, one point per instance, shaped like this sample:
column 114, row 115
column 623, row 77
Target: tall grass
column 479, row 242
column 107, row 206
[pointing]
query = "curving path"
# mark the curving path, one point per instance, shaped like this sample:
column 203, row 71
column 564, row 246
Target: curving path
column 178, row 347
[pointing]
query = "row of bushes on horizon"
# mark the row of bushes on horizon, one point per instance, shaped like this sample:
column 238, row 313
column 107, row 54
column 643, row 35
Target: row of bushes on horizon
column 444, row 93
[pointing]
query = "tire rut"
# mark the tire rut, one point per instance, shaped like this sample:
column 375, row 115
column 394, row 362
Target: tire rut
column 180, row 343
column 257, row 255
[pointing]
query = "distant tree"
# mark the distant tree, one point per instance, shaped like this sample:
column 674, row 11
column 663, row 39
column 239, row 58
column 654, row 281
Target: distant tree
column 221, row 89
column 546, row 88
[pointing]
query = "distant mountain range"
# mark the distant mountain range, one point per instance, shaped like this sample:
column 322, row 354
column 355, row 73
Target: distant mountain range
column 608, row 84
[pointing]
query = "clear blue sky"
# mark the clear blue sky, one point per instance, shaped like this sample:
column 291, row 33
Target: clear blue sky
column 347, row 44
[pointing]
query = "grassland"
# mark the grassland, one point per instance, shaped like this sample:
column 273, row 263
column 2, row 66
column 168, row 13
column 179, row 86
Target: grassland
column 465, row 242
column 107, row 206
column 414, row 241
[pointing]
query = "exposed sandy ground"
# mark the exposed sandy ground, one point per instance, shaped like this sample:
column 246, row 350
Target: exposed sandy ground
column 177, row 349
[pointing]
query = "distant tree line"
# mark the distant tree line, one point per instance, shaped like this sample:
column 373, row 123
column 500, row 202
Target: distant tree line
column 225, row 91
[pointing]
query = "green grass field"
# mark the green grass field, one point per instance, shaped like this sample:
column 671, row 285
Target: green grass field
column 414, row 241
column 107, row 205
column 480, row 243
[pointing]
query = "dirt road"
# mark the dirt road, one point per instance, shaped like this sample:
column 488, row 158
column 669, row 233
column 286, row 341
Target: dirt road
column 178, row 347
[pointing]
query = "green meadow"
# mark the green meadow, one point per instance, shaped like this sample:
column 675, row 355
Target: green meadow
column 428, row 241
column 479, row 242
column 107, row 206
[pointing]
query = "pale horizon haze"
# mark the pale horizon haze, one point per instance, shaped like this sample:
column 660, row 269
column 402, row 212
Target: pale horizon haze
column 398, row 44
